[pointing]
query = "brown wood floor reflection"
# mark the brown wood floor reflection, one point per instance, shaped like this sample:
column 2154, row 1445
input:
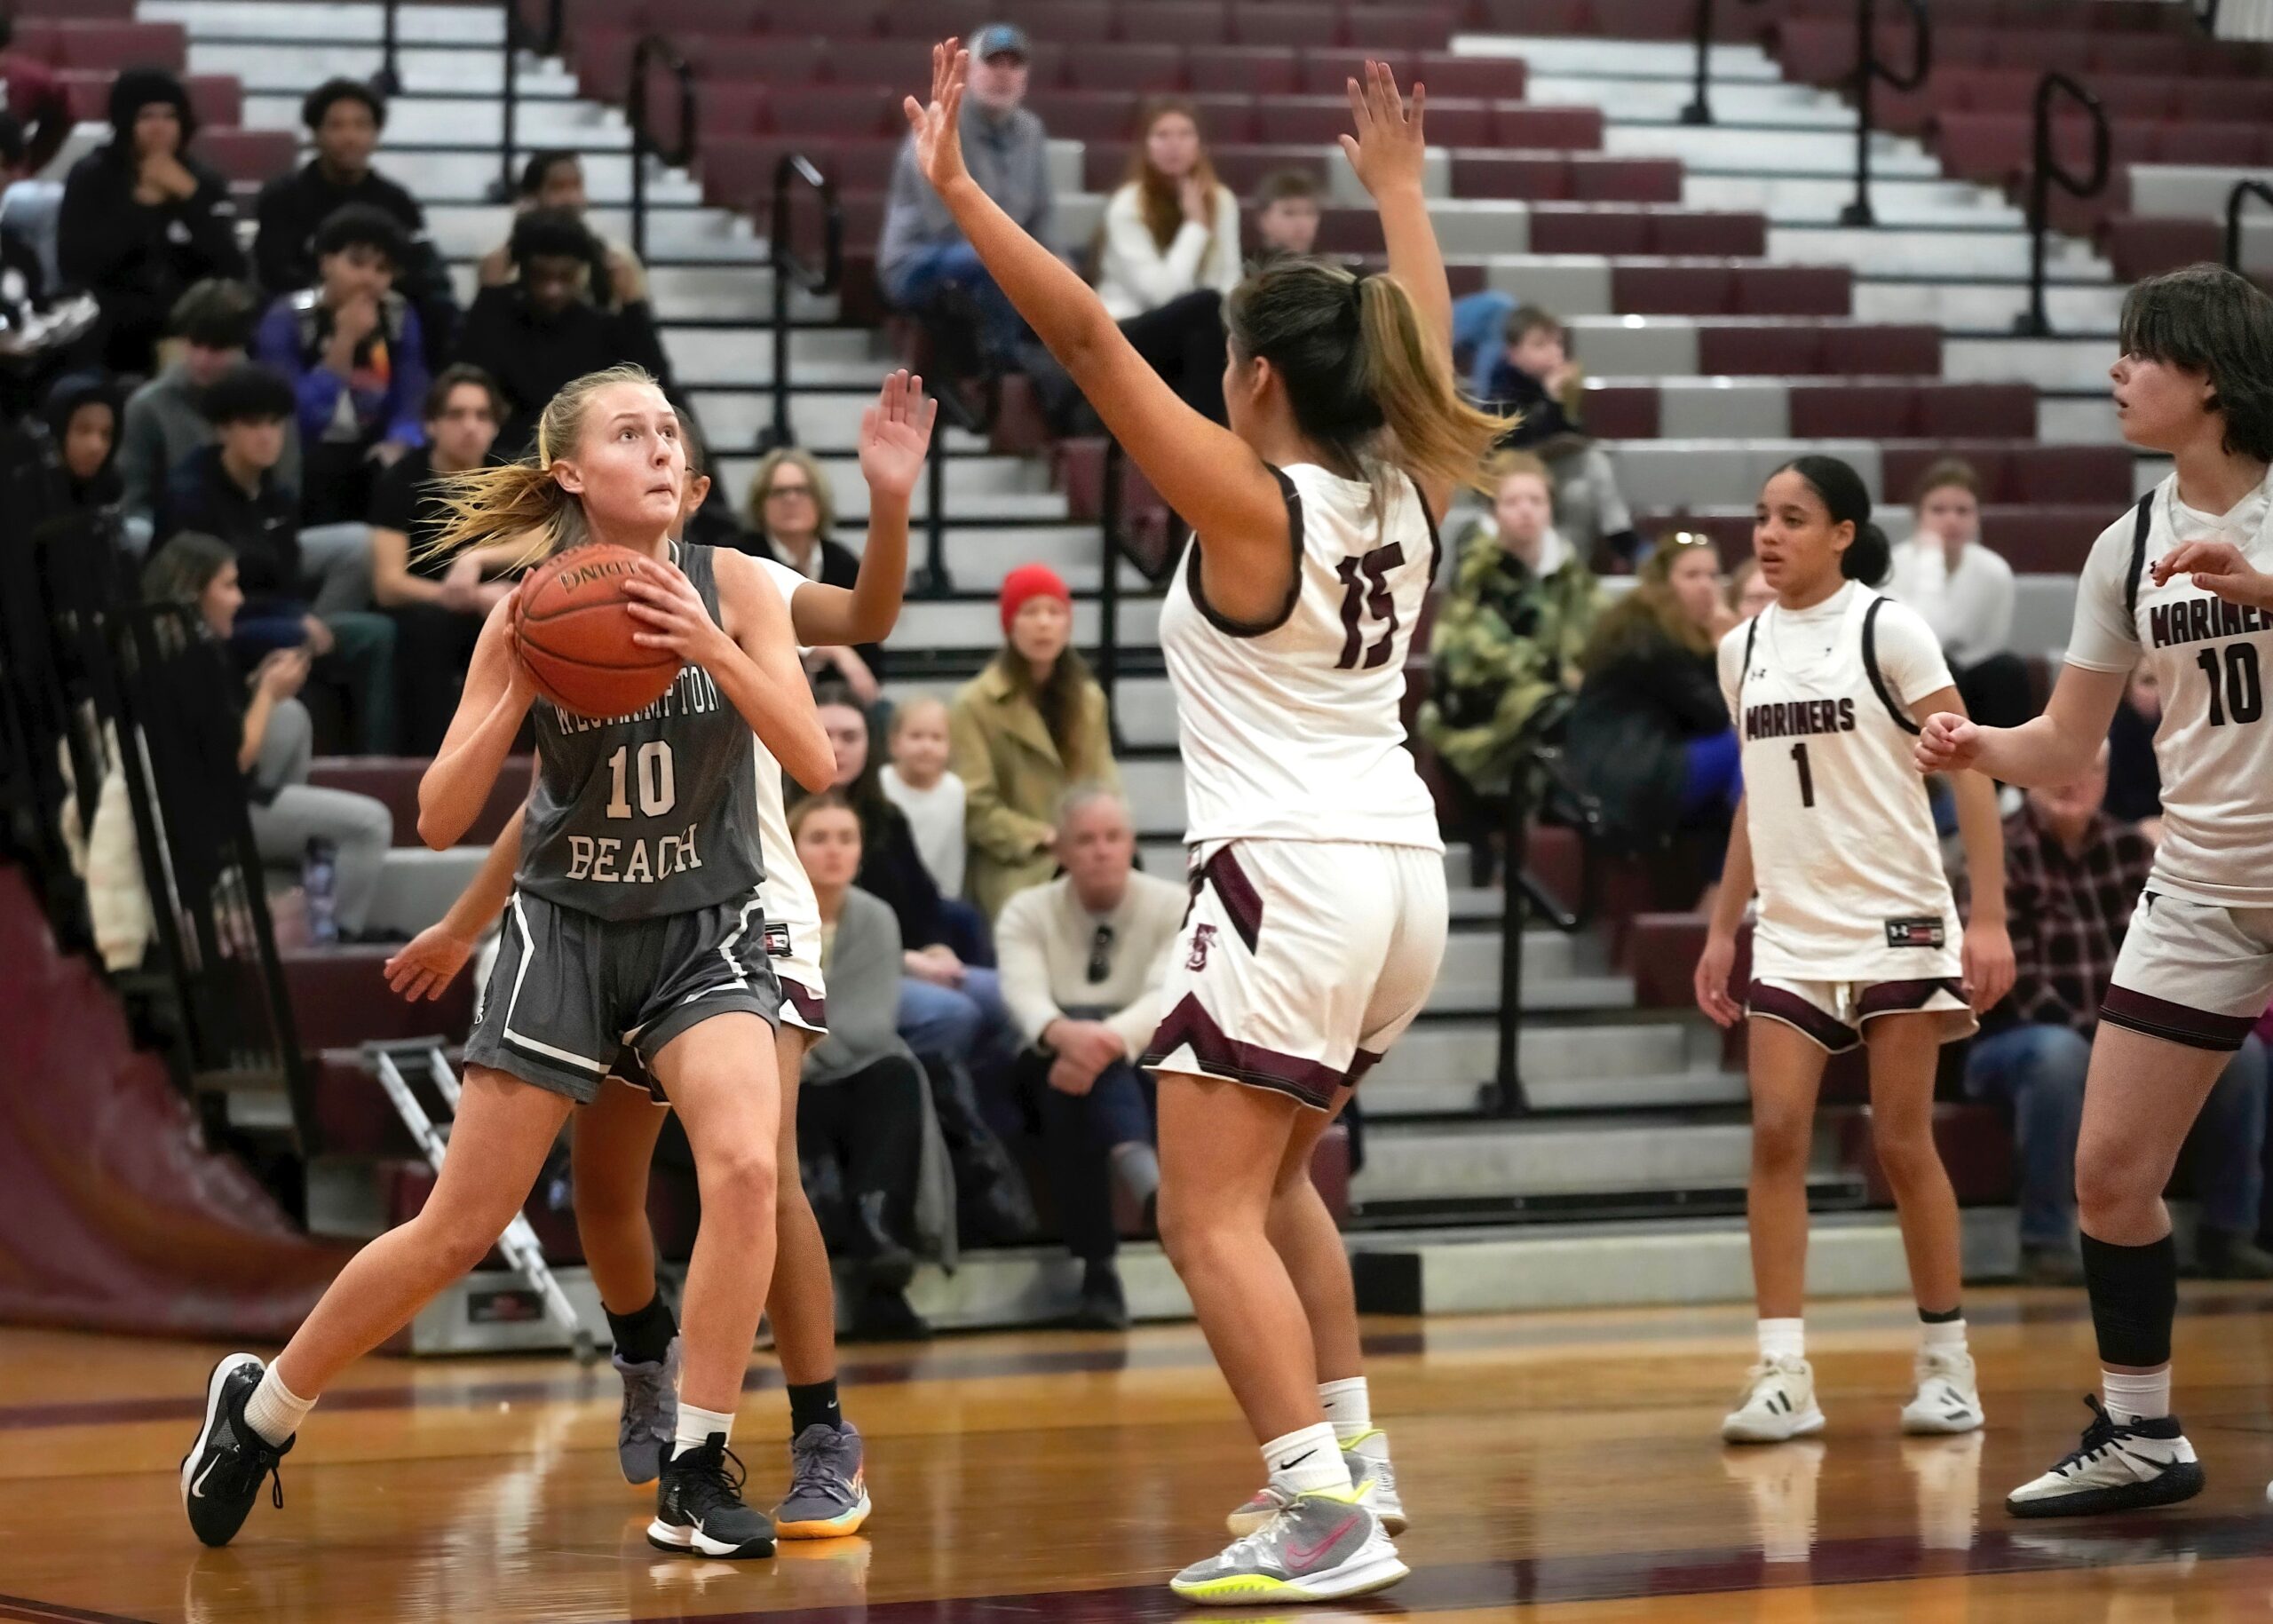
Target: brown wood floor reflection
column 1566, row 1465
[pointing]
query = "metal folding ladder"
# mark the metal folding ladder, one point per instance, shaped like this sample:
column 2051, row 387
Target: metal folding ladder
column 519, row 1243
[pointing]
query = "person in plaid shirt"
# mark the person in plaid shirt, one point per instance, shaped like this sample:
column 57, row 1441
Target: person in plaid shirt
column 2072, row 877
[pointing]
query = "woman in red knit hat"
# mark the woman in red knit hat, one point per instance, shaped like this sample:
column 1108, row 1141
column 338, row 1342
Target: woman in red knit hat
column 1025, row 730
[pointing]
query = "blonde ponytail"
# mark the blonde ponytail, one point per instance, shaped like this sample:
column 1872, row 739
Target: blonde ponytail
column 1439, row 437
column 523, row 501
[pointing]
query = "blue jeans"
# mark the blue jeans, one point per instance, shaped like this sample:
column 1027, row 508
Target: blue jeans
column 914, row 282
column 2038, row 1072
column 969, row 1023
column 1479, row 333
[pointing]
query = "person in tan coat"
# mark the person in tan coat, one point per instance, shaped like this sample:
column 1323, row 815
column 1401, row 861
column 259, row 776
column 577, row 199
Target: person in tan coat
column 1025, row 730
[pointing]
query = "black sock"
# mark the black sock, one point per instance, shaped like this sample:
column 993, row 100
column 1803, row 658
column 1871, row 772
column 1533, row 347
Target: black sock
column 1947, row 1316
column 643, row 1336
column 814, row 1404
column 2135, row 1298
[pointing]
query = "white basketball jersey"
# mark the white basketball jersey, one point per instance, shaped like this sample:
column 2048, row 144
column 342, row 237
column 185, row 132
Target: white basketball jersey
column 1843, row 850
column 786, row 896
column 1296, row 732
column 2209, row 658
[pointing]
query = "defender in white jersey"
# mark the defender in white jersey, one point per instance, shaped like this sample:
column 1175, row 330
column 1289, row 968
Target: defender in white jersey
column 2184, row 583
column 1318, row 913
column 613, row 1145
column 1858, row 941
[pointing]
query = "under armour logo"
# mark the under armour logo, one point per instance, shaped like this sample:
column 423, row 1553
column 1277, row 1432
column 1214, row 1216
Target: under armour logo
column 1203, row 938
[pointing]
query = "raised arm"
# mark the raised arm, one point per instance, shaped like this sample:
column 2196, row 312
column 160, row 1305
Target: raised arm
column 1206, row 473
column 895, row 436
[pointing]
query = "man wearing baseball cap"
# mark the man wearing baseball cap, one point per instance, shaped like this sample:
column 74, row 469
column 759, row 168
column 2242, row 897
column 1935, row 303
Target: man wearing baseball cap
column 923, row 258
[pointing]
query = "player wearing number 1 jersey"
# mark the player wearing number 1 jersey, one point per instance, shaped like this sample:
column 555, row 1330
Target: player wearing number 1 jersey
column 1857, row 943
column 2184, row 581
column 1317, row 914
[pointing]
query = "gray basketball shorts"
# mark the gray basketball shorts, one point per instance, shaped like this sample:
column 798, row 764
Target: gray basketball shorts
column 573, row 997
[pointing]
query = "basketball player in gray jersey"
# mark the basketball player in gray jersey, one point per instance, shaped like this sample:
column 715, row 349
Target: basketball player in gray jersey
column 636, row 927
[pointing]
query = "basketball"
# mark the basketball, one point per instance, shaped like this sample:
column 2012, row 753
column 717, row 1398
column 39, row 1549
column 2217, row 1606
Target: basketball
column 576, row 627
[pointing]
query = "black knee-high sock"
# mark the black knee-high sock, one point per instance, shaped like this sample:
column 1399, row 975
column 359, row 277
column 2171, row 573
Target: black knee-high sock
column 2135, row 1298
column 814, row 1404
column 644, row 1336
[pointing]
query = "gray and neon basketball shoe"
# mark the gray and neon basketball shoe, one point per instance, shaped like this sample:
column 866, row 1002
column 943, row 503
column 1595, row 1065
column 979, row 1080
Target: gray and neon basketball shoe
column 1320, row 1547
column 1366, row 1459
column 650, row 1417
column 829, row 1493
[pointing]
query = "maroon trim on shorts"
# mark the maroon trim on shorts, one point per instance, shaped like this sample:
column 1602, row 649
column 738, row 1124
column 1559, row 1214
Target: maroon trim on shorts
column 811, row 1009
column 1362, row 1062
column 2174, row 1023
column 1242, row 901
column 1904, row 997
column 1220, row 1055
column 1778, row 1003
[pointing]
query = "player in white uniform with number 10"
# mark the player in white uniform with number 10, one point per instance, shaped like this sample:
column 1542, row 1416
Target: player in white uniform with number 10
column 1317, row 916
column 1858, row 941
column 2184, row 581
column 614, row 1138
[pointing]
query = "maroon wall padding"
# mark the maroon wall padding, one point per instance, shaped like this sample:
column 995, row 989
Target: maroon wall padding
column 116, row 1216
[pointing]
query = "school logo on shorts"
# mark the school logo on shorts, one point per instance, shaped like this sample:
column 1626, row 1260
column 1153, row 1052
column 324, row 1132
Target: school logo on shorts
column 1915, row 933
column 1203, row 938
column 777, row 939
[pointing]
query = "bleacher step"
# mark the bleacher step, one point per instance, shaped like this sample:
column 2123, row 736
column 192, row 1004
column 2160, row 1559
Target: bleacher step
column 1494, row 1160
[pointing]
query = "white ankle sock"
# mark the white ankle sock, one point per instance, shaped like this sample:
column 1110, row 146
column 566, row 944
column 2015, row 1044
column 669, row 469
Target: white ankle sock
column 2131, row 1398
column 1944, row 1334
column 275, row 1410
column 1304, row 1461
column 696, row 1427
column 1347, row 1406
column 1783, row 1339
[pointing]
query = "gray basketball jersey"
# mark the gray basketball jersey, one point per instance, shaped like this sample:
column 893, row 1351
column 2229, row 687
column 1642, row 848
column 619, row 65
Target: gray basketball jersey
column 651, row 813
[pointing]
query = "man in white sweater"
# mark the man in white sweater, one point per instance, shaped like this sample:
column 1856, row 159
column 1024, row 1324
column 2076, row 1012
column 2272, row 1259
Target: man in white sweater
column 1081, row 961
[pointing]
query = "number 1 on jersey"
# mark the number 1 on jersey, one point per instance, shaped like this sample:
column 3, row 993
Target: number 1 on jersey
column 1807, row 777
column 1365, row 591
column 658, row 781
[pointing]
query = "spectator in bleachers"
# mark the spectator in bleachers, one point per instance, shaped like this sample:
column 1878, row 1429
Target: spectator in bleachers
column 1084, row 958
column 1504, row 655
column 437, row 604
column 82, row 419
column 1748, row 590
column 353, row 349
column 343, row 118
column 143, row 218
column 923, row 263
column 1168, row 253
column 165, row 418
column 1286, row 217
column 2072, row 879
column 310, row 586
column 1536, row 377
column 1025, row 731
column 287, row 813
column 2135, row 777
column 792, row 512
column 1964, row 591
column 538, row 332
column 555, row 179
column 861, row 1104
column 932, row 799
column 33, row 97
column 1649, row 736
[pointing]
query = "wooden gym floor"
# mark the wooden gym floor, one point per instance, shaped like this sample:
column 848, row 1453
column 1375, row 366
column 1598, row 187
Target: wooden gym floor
column 1565, row 1463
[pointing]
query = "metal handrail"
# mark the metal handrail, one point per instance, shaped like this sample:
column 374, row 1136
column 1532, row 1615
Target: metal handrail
column 388, row 81
column 796, row 170
column 2244, row 190
column 1699, row 111
column 1869, row 71
column 2206, row 15
column 644, row 144
column 545, row 44
column 2048, row 173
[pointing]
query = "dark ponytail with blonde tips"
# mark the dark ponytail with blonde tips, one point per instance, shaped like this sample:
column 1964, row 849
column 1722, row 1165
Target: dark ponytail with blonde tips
column 1362, row 378
column 1869, row 557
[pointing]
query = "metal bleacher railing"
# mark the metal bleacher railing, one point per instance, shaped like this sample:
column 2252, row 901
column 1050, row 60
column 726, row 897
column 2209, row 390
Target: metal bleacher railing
column 1699, row 110
column 2237, row 200
column 795, row 175
column 650, row 49
column 517, row 38
column 1870, row 70
column 2047, row 172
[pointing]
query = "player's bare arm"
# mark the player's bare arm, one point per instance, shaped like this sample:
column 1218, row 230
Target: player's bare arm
column 496, row 697
column 1988, row 949
column 2051, row 749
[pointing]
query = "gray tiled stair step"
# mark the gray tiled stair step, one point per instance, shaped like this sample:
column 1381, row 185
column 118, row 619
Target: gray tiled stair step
column 417, row 886
column 823, row 421
column 1488, row 1158
column 1654, row 100
column 1812, row 200
column 743, row 357
column 2079, row 420
column 1623, row 59
column 950, row 624
column 460, row 177
column 425, row 121
column 260, row 21
column 1997, row 254
column 1718, row 149
column 2075, row 362
column 283, row 69
column 466, row 231
column 1985, row 306
column 1652, row 1262
column 1435, row 1068
column 965, row 509
column 739, row 293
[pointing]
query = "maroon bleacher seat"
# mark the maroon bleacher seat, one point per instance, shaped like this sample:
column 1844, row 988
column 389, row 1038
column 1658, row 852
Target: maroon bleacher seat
column 1281, row 22
column 1198, row 23
column 1246, row 70
column 104, row 45
column 2144, row 245
column 217, row 99
column 697, row 17
column 1083, row 23
column 1483, row 78
column 730, row 110
column 394, row 780
column 1136, row 70
column 835, row 19
column 903, row 64
column 249, row 157
column 838, row 112
column 340, row 1000
column 1618, row 229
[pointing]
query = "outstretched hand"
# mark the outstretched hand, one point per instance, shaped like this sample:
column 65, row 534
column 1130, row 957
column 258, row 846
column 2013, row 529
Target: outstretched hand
column 896, row 434
column 937, row 125
column 1388, row 149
